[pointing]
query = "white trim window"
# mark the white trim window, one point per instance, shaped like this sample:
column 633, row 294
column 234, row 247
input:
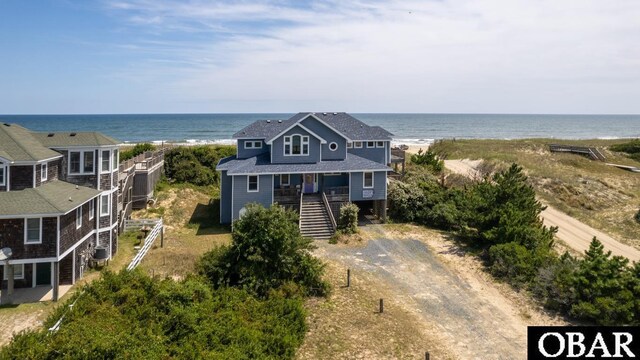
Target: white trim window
column 333, row 146
column 296, row 145
column 104, row 205
column 18, row 272
column 367, row 180
column 81, row 162
column 115, row 159
column 379, row 144
column 79, row 217
column 43, row 172
column 371, row 144
column 3, row 174
column 253, row 184
column 106, row 161
column 33, row 231
column 349, row 145
column 92, row 209
column 285, row 180
column 253, row 144
column 357, row 144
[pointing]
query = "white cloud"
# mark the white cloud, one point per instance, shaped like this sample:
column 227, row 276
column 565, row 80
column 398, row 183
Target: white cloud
column 414, row 56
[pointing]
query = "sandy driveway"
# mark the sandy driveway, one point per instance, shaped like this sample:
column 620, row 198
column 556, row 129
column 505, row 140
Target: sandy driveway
column 574, row 233
column 472, row 317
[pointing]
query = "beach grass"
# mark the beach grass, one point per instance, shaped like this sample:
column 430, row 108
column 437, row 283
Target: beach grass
column 602, row 196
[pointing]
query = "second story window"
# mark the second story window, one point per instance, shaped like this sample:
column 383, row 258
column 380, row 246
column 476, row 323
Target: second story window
column 357, row 144
column 253, row 144
column 106, row 161
column 371, row 144
column 33, row 231
column 380, row 144
column 296, row 145
column 43, row 172
column 3, row 171
column 81, row 162
column 115, row 160
column 104, row 205
column 79, row 217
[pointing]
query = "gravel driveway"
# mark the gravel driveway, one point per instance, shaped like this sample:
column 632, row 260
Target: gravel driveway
column 470, row 322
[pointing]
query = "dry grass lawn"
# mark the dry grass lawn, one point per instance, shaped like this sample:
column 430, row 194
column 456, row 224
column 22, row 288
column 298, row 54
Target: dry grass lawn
column 601, row 196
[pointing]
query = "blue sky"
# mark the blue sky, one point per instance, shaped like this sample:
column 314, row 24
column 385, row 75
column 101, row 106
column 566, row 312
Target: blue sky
column 156, row 56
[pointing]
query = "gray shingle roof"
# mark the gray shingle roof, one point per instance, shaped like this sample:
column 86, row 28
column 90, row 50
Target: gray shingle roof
column 17, row 144
column 261, row 165
column 342, row 122
column 65, row 139
column 53, row 198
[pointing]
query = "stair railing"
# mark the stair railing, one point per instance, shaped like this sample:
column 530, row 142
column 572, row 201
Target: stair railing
column 326, row 205
column 300, row 211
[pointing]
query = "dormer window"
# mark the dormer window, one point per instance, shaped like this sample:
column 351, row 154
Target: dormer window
column 296, row 145
column 253, row 144
column 3, row 171
column 43, row 172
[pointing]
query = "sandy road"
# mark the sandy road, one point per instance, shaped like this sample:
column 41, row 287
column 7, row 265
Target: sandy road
column 577, row 235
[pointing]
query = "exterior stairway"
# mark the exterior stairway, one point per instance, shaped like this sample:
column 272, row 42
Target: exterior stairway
column 314, row 218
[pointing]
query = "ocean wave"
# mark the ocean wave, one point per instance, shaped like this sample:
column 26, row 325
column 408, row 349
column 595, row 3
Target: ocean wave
column 400, row 141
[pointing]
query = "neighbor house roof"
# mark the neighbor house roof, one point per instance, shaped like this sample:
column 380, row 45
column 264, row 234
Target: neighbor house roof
column 17, row 145
column 71, row 139
column 53, row 198
column 343, row 123
column 261, row 164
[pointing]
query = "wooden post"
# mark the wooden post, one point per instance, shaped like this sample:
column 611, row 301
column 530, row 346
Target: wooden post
column 162, row 237
column 10, row 276
column 426, row 356
column 56, row 280
column 348, row 277
column 381, row 306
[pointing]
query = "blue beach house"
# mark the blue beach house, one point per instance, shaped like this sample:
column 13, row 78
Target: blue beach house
column 312, row 163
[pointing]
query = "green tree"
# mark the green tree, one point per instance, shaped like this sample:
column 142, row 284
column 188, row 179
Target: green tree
column 267, row 252
column 429, row 159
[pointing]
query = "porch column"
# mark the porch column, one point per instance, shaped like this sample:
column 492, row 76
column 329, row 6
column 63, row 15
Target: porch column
column 10, row 276
column 56, row 280
column 383, row 213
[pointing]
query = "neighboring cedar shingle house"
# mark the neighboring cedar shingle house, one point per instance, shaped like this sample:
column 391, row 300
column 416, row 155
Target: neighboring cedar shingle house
column 316, row 161
column 58, row 204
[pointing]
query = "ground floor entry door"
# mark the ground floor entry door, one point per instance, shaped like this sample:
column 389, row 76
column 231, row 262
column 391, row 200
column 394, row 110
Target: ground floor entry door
column 43, row 274
column 309, row 183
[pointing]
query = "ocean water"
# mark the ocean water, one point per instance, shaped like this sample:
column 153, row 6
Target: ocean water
column 407, row 128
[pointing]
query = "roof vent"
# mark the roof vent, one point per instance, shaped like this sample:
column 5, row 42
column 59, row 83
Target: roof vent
column 279, row 121
column 70, row 198
column 361, row 125
column 268, row 121
column 335, row 113
column 50, row 135
column 77, row 187
column 72, row 134
column 324, row 114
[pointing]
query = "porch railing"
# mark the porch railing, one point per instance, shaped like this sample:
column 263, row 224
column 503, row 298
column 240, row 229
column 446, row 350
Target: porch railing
column 337, row 193
column 326, row 205
column 286, row 195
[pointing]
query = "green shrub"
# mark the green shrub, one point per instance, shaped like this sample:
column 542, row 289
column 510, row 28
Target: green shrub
column 267, row 251
column 348, row 219
column 195, row 164
column 631, row 147
column 136, row 150
column 512, row 262
column 429, row 159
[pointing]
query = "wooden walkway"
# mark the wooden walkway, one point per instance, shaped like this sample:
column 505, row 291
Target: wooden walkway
column 591, row 152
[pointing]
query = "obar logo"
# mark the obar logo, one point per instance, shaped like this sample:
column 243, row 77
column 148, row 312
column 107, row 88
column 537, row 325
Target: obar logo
column 583, row 342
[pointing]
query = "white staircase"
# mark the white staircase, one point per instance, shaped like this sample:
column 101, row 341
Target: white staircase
column 314, row 218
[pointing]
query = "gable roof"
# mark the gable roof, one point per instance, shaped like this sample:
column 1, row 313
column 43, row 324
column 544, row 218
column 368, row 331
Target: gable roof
column 343, row 123
column 70, row 139
column 53, row 198
column 17, row 144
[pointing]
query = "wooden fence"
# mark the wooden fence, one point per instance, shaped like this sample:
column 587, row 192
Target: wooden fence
column 148, row 241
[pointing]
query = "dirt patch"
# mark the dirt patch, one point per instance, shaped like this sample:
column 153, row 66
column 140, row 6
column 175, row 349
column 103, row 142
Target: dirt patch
column 445, row 290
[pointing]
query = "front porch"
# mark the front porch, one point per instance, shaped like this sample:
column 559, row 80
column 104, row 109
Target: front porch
column 33, row 294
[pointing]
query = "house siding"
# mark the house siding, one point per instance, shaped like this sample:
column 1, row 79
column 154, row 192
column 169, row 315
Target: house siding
column 244, row 153
column 374, row 154
column 225, row 198
column 82, row 180
column 277, row 149
column 330, row 136
column 379, row 183
column 12, row 236
column 21, row 177
column 69, row 235
column 241, row 197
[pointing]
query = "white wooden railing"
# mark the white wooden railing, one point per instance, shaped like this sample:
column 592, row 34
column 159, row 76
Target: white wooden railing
column 148, row 241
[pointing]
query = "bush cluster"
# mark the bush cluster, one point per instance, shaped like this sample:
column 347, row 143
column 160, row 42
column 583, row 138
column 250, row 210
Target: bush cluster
column 136, row 150
column 195, row 164
column 348, row 219
column 267, row 251
column 632, row 148
column 131, row 315
column 429, row 159
column 499, row 216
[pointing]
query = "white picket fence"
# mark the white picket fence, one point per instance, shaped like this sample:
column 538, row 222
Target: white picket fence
column 148, row 242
